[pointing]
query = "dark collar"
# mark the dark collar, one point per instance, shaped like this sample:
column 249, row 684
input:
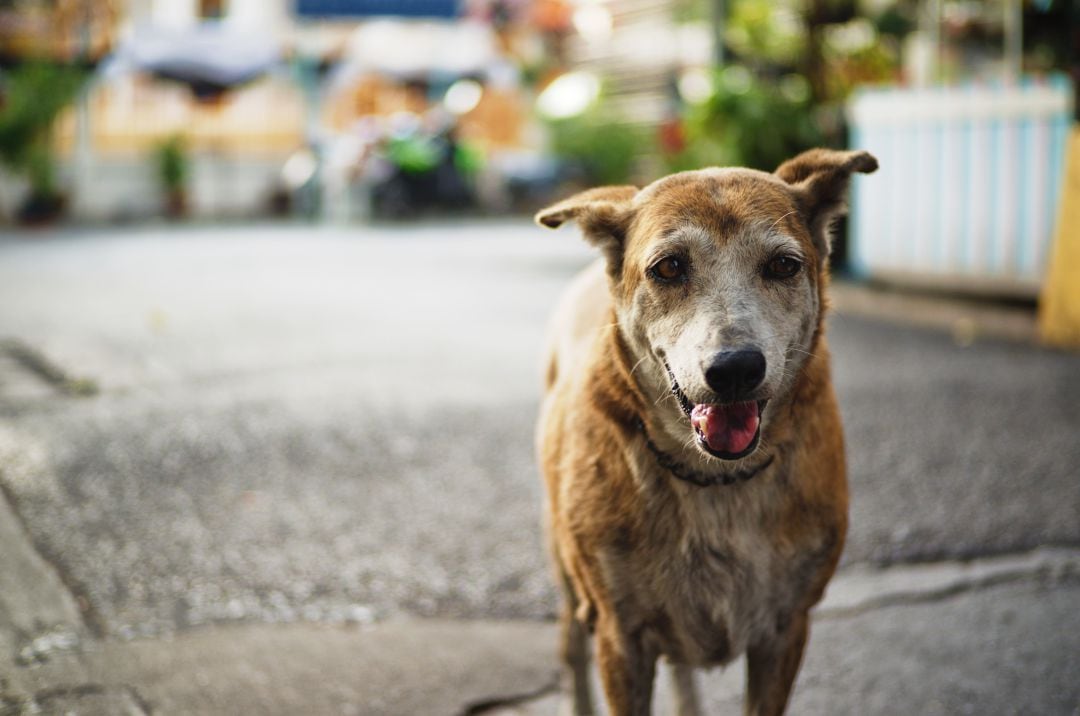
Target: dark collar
column 694, row 477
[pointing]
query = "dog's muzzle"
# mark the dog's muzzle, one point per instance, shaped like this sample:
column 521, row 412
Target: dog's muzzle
column 729, row 430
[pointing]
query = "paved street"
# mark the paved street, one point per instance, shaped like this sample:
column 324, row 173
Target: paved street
column 207, row 430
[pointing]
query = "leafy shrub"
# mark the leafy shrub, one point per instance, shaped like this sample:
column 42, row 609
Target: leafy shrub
column 33, row 95
column 603, row 146
column 172, row 163
column 749, row 121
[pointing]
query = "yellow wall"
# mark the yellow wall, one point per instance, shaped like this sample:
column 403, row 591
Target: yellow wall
column 1059, row 309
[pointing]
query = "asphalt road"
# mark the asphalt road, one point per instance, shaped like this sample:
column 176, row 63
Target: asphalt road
column 336, row 425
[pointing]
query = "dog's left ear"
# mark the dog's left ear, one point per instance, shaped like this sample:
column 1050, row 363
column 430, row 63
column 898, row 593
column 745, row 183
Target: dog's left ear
column 819, row 178
column 604, row 215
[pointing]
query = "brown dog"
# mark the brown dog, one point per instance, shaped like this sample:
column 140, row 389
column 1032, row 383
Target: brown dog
column 690, row 438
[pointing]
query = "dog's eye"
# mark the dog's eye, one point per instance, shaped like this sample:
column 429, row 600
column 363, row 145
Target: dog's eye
column 782, row 267
column 669, row 269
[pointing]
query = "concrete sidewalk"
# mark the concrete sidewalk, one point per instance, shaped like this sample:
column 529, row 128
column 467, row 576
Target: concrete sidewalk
column 997, row 635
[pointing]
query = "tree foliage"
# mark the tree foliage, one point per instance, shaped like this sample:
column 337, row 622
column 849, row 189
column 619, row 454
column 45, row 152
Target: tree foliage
column 33, row 95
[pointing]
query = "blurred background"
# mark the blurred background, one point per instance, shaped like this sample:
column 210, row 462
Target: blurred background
column 347, row 111
column 272, row 310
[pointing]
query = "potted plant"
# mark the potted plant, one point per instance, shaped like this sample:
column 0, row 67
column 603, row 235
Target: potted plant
column 173, row 166
column 45, row 202
column 31, row 97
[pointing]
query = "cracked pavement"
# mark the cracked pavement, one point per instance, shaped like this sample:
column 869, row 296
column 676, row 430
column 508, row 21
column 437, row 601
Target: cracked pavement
column 282, row 469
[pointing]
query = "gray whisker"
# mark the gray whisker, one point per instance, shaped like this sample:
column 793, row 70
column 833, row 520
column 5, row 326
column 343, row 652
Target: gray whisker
column 793, row 349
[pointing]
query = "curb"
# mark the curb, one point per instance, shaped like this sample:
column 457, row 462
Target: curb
column 967, row 319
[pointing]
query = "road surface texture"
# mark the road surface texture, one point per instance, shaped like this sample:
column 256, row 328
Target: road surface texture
column 286, row 469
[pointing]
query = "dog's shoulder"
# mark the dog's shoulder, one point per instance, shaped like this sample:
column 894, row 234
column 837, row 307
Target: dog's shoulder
column 582, row 311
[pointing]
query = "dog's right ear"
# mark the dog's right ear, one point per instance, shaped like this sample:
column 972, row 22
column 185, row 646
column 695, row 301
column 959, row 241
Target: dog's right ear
column 604, row 215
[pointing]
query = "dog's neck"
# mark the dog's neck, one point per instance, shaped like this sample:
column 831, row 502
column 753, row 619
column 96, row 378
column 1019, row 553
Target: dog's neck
column 695, row 477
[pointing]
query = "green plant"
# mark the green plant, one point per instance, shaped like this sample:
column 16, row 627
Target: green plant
column 604, row 146
column 749, row 121
column 32, row 96
column 173, row 163
column 765, row 32
column 40, row 168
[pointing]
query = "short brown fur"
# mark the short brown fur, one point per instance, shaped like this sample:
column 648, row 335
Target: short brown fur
column 653, row 565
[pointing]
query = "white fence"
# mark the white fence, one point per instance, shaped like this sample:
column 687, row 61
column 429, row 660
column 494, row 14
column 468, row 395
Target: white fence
column 969, row 182
column 119, row 187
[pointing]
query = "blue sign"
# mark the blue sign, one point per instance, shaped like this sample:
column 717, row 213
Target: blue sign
column 376, row 8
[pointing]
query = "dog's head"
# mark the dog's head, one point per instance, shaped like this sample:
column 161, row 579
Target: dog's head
column 716, row 277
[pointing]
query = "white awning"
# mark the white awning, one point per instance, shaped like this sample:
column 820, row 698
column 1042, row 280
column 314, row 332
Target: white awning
column 420, row 48
column 213, row 54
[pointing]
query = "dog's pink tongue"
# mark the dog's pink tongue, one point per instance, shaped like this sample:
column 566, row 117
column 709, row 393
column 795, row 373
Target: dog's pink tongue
column 726, row 428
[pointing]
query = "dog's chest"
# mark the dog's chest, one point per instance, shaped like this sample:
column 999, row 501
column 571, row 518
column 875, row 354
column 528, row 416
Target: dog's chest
column 718, row 582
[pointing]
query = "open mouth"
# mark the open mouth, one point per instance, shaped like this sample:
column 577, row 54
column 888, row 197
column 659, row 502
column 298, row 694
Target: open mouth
column 728, row 431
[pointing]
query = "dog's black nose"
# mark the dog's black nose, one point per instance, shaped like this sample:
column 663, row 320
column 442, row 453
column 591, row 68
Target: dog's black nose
column 733, row 374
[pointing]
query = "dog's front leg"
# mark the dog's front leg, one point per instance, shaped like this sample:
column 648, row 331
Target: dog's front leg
column 626, row 670
column 575, row 656
column 771, row 669
column 686, row 698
